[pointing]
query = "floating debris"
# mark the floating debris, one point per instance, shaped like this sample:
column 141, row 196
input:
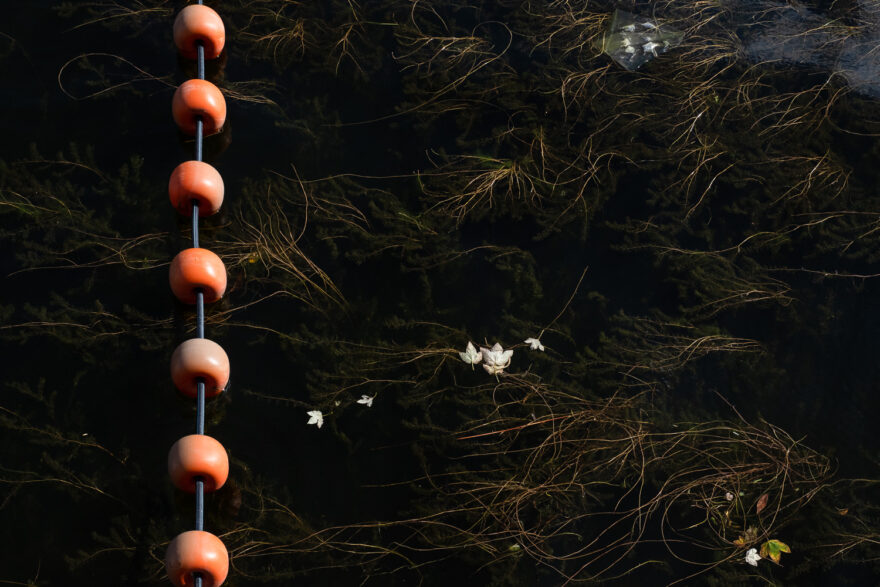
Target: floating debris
column 534, row 344
column 316, row 417
column 752, row 557
column 632, row 40
column 496, row 359
column 470, row 355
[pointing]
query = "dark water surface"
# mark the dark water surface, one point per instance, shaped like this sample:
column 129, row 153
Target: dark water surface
column 694, row 242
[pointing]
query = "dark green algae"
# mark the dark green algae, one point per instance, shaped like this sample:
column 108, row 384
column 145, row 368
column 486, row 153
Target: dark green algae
column 403, row 178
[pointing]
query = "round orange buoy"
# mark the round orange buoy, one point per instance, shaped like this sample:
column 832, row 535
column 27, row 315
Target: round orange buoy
column 197, row 98
column 197, row 269
column 194, row 456
column 196, row 180
column 200, row 358
column 200, row 552
column 199, row 23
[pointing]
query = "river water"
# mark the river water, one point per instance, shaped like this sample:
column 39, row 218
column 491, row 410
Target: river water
column 694, row 243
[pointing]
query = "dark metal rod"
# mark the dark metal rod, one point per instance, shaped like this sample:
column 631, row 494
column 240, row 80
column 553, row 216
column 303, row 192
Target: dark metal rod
column 195, row 223
column 199, row 138
column 200, row 407
column 200, row 504
column 200, row 314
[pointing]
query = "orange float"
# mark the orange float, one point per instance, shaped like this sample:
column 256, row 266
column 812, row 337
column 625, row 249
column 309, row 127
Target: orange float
column 197, row 98
column 197, row 23
column 200, row 358
column 196, row 456
column 197, row 269
column 196, row 180
column 200, row 552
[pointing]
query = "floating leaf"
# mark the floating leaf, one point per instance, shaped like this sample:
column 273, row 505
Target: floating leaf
column 762, row 503
column 470, row 355
column 316, row 417
column 843, row 512
column 752, row 557
column 747, row 537
column 496, row 359
column 534, row 344
column 773, row 550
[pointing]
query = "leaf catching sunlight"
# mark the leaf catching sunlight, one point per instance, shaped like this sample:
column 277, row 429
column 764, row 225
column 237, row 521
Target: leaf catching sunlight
column 773, row 550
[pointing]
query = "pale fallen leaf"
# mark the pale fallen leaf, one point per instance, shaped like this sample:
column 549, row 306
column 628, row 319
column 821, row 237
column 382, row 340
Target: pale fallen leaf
column 534, row 344
column 316, row 418
column 752, row 557
column 470, row 355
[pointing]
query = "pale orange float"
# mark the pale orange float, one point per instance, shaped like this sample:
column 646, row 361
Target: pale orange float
column 198, row 456
column 200, row 552
column 197, row 23
column 198, row 99
column 200, row 358
column 196, row 180
column 197, row 269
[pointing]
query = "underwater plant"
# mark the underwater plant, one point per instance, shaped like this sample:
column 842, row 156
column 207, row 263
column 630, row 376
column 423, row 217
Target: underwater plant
column 405, row 166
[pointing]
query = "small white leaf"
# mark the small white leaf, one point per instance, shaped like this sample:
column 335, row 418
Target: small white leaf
column 497, row 358
column 366, row 400
column 316, row 417
column 470, row 355
column 752, row 557
column 534, row 344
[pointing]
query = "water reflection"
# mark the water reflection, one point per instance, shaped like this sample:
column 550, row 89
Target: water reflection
column 792, row 33
column 409, row 178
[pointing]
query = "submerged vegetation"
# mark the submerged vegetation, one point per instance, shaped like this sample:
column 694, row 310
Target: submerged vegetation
column 689, row 251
